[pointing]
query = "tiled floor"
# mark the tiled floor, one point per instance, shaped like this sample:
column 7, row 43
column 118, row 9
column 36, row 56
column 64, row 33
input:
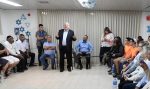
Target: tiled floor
column 36, row 78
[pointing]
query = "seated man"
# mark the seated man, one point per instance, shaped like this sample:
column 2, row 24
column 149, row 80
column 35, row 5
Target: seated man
column 23, row 47
column 84, row 48
column 12, row 49
column 12, row 61
column 129, row 54
column 135, row 63
column 49, row 51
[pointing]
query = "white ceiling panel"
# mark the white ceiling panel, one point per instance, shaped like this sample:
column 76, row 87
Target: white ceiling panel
column 74, row 5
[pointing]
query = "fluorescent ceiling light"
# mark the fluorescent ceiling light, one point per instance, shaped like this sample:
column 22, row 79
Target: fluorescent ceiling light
column 87, row 3
column 10, row 3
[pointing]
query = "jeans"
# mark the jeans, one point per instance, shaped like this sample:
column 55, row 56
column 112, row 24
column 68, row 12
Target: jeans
column 43, row 59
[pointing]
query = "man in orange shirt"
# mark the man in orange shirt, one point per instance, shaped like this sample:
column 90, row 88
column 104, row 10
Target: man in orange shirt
column 134, row 50
column 127, row 55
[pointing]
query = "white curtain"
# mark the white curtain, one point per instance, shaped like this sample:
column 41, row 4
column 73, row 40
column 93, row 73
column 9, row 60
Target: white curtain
column 122, row 23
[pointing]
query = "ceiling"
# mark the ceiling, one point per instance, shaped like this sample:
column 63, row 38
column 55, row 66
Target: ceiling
column 140, row 5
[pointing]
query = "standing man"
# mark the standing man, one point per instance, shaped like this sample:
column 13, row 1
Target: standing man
column 41, row 38
column 65, row 37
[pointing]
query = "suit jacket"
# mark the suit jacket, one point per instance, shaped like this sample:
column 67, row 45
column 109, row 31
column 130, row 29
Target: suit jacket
column 69, row 39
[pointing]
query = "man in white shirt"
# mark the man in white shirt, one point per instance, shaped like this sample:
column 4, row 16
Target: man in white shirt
column 23, row 47
column 10, row 45
column 65, row 37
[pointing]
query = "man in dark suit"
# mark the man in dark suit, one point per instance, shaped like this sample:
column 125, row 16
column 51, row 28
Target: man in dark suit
column 65, row 37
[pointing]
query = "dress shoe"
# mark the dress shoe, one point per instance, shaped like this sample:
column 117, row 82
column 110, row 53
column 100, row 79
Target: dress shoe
column 25, row 68
column 61, row 70
column 69, row 69
column 109, row 70
column 81, row 67
column 45, row 67
column 32, row 65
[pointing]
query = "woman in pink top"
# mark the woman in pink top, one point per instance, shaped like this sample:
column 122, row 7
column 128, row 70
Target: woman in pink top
column 106, row 42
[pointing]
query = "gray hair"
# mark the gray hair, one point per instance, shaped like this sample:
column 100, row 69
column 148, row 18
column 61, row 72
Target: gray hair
column 49, row 36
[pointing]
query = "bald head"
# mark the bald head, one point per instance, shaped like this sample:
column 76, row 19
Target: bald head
column 66, row 25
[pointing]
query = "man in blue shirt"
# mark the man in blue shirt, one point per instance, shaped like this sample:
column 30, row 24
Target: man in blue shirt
column 49, row 51
column 41, row 38
column 84, row 48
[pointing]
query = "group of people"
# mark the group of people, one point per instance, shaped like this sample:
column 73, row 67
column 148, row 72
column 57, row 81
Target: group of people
column 14, row 55
column 129, row 62
column 47, row 49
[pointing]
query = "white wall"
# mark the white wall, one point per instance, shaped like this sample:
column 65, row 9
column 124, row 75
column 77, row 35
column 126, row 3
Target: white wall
column 9, row 18
column 144, row 24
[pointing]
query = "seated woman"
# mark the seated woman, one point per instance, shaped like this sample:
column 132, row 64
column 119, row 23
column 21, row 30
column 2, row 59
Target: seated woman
column 84, row 48
column 116, row 51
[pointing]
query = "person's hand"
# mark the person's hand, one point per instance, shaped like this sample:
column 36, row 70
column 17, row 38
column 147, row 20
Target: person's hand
column 113, row 55
column 88, row 52
column 6, row 51
column 57, row 36
column 125, row 77
column 137, row 88
column 74, row 37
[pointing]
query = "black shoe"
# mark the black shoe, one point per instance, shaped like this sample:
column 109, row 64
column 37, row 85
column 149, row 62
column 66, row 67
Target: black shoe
column 69, row 69
column 61, row 70
column 40, row 64
column 53, row 68
column 110, row 73
column 45, row 67
column 20, row 70
column 32, row 65
column 109, row 70
column 25, row 68
column 81, row 67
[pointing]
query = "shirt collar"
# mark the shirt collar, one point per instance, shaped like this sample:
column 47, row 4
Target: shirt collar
column 66, row 30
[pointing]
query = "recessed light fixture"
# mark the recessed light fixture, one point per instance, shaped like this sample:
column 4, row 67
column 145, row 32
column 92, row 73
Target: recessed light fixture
column 10, row 3
column 87, row 3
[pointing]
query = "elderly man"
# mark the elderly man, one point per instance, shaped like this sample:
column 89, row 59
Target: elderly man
column 49, row 51
column 84, row 48
column 65, row 37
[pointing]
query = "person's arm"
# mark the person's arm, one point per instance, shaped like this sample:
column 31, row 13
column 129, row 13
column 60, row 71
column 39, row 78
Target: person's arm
column 120, row 53
column 2, row 51
column 131, row 68
column 51, row 47
column 58, row 35
column 77, row 47
column 38, row 37
column 141, row 82
column 9, row 49
column 137, row 75
column 110, row 38
column 74, row 37
column 15, row 46
column 91, row 48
